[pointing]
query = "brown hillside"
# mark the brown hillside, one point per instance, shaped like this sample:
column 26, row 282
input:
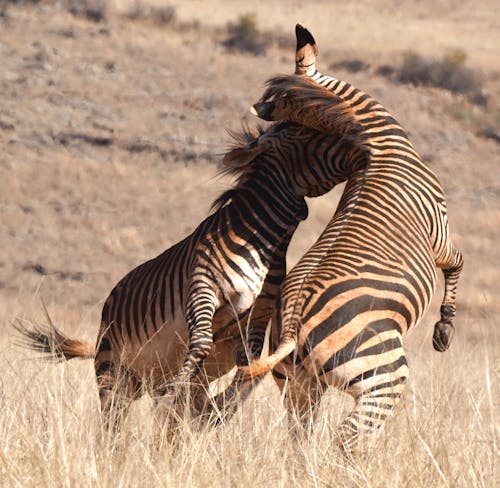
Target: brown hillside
column 111, row 133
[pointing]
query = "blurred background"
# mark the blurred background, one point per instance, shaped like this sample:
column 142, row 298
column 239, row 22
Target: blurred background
column 113, row 118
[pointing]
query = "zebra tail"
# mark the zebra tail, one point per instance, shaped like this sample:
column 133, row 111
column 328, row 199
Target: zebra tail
column 51, row 342
column 259, row 367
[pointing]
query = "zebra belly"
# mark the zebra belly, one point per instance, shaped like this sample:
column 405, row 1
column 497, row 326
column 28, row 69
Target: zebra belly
column 160, row 358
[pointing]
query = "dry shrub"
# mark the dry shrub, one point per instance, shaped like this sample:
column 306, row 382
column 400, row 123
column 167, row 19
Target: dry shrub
column 160, row 15
column 245, row 36
column 449, row 73
column 95, row 10
column 350, row 65
column 4, row 5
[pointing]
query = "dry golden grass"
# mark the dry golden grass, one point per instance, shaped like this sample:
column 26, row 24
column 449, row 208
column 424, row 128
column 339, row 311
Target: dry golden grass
column 109, row 143
column 444, row 434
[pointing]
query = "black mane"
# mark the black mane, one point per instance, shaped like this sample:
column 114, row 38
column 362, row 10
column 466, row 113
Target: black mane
column 241, row 139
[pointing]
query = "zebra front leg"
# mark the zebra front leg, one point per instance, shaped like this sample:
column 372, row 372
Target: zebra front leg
column 444, row 329
column 200, row 310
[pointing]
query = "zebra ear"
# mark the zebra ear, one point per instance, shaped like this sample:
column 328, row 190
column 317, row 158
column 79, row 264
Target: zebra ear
column 306, row 53
column 242, row 156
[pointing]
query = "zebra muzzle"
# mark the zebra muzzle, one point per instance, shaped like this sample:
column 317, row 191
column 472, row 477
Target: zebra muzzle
column 263, row 110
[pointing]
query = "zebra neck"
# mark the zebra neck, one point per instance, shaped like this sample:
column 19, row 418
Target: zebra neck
column 268, row 209
column 376, row 124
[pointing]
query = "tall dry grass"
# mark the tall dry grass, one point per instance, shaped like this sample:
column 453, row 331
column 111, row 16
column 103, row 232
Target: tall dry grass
column 445, row 432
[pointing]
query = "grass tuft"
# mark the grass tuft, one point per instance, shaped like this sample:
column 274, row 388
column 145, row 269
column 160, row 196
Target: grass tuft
column 94, row 10
column 161, row 15
column 245, row 36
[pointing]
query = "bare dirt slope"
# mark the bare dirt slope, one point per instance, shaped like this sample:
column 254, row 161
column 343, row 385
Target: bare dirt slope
column 111, row 132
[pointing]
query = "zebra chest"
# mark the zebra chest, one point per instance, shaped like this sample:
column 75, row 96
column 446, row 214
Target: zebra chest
column 241, row 282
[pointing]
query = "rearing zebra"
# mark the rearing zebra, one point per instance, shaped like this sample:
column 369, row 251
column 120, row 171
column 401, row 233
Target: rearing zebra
column 371, row 275
column 182, row 311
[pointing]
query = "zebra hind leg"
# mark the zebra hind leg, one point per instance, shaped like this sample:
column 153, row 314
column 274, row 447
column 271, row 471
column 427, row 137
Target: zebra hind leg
column 117, row 389
column 444, row 328
column 375, row 397
column 302, row 393
column 225, row 404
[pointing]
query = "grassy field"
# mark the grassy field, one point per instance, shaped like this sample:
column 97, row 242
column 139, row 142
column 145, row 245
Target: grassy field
column 110, row 140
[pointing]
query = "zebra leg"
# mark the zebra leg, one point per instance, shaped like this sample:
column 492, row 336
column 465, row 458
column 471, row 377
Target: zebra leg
column 225, row 404
column 172, row 416
column 117, row 389
column 375, row 393
column 302, row 393
column 200, row 309
column 444, row 329
column 248, row 344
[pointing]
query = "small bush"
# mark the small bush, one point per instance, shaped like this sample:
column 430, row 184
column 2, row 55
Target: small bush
column 385, row 70
column 4, row 4
column 449, row 73
column 95, row 10
column 350, row 65
column 244, row 36
column 163, row 15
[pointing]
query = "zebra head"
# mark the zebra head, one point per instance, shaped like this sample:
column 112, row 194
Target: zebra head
column 300, row 99
column 249, row 145
column 290, row 152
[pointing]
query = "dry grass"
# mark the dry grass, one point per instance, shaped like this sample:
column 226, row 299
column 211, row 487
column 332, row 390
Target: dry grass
column 445, row 433
column 110, row 134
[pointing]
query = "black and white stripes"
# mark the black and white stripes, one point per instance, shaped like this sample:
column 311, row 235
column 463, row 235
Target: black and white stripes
column 371, row 275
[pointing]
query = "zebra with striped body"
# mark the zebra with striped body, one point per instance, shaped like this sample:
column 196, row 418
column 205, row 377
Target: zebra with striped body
column 205, row 302
column 371, row 274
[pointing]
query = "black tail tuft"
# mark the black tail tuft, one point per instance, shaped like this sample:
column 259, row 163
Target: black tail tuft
column 43, row 339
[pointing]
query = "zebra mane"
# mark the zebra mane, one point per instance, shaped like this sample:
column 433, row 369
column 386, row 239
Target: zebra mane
column 316, row 106
column 243, row 140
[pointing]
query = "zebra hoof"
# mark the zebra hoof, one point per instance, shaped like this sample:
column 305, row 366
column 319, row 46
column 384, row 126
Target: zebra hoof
column 443, row 334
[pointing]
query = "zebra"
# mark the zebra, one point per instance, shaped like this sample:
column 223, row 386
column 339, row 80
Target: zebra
column 189, row 315
column 370, row 276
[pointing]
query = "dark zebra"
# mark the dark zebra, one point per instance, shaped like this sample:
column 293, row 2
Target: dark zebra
column 189, row 315
column 371, row 275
